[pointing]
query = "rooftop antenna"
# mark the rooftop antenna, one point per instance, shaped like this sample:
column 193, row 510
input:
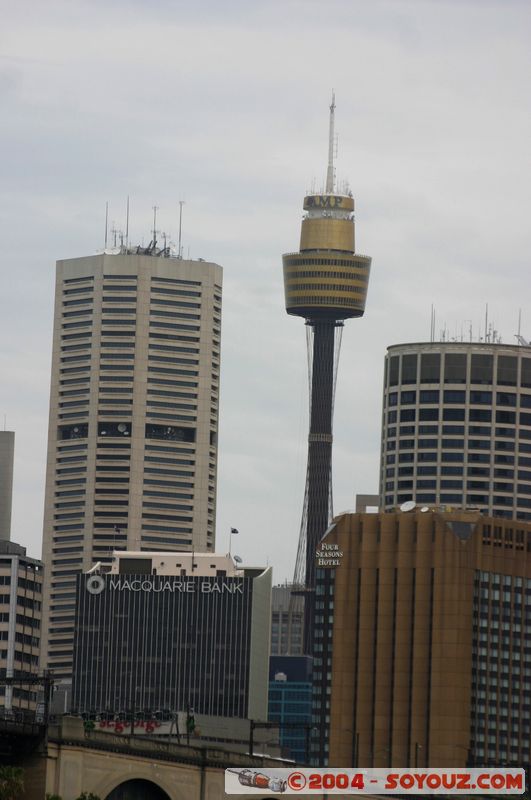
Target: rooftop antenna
column 114, row 232
column 519, row 323
column 180, row 250
column 106, row 221
column 155, row 209
column 486, row 321
column 330, row 170
column 127, row 225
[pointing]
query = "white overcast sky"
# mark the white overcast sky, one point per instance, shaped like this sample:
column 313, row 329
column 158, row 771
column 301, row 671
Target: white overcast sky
column 224, row 105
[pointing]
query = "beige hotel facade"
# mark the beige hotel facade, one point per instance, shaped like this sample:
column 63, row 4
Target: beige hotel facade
column 132, row 443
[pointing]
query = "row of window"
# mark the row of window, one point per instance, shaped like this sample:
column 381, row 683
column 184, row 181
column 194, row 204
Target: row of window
column 458, row 368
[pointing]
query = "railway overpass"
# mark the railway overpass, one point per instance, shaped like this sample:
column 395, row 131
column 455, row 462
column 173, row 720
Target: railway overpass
column 67, row 760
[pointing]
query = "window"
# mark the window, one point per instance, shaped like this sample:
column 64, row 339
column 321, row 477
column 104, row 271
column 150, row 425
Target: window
column 429, row 396
column 430, row 368
column 393, row 370
column 170, row 432
column 409, row 369
column 114, row 429
column 481, row 370
column 408, row 398
column 455, row 368
column 73, row 431
column 454, row 396
column 507, row 369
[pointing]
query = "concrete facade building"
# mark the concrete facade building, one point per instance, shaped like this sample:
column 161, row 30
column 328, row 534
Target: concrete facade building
column 21, row 580
column 287, row 622
column 456, row 427
column 168, row 632
column 428, row 622
column 7, row 454
column 132, row 446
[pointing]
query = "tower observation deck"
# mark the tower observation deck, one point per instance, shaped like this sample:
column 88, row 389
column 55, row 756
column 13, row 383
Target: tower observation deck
column 325, row 283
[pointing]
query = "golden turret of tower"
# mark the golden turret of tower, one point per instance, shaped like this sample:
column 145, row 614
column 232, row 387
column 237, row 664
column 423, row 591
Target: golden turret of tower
column 327, row 278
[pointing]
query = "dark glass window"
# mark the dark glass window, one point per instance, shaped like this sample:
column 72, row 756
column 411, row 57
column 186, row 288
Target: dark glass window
column 427, row 457
column 393, row 370
column 451, row 498
column 455, row 368
column 480, row 398
column 451, row 484
column 406, row 444
column 429, row 429
column 429, row 396
column 426, row 498
column 407, row 430
column 408, row 398
column 391, row 417
column 427, row 443
column 501, row 445
column 426, row 484
column 455, row 456
column 481, row 371
column 525, row 419
column 407, row 415
column 451, row 470
column 479, row 415
column 392, row 399
column 405, row 470
column 73, row 431
column 114, row 429
column 409, row 369
column 453, row 414
column 456, row 430
column 170, row 432
column 507, row 370
column 430, row 368
column 525, row 400
column 454, row 396
column 427, row 470
column 508, row 417
column 429, row 414
column 506, row 399
column 406, row 458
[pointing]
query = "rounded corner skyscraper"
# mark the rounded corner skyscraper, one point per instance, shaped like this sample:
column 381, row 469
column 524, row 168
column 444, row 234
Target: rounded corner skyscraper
column 325, row 283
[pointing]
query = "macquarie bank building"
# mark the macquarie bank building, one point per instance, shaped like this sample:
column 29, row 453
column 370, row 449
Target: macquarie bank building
column 171, row 631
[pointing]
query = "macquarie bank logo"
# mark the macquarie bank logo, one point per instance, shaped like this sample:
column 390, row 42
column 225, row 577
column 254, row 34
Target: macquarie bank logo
column 96, row 584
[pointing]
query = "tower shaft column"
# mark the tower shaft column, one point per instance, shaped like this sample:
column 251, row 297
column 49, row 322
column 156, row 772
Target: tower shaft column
column 320, row 441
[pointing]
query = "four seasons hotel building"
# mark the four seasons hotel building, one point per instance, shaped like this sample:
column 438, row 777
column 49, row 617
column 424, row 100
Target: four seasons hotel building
column 132, row 443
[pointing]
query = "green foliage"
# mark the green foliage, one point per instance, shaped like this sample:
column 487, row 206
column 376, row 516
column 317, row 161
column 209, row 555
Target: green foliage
column 11, row 783
column 53, row 797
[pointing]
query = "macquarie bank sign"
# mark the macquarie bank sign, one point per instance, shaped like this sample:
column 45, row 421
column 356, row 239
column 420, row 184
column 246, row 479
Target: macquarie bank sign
column 96, row 584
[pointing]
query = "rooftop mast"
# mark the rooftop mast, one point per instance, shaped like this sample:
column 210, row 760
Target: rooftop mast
column 330, row 171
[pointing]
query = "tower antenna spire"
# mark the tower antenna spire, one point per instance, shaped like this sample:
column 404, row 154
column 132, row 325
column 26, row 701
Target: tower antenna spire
column 330, row 171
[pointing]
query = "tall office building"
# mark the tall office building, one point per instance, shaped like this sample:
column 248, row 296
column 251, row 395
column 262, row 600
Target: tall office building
column 430, row 634
column 456, row 427
column 132, row 450
column 169, row 631
column 287, row 621
column 7, row 453
column 325, row 283
column 20, row 623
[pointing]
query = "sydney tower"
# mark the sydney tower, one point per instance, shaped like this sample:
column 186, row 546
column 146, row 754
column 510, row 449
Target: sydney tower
column 325, row 283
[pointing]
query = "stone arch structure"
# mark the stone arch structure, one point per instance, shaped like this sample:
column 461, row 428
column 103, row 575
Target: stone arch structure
column 138, row 789
column 127, row 786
